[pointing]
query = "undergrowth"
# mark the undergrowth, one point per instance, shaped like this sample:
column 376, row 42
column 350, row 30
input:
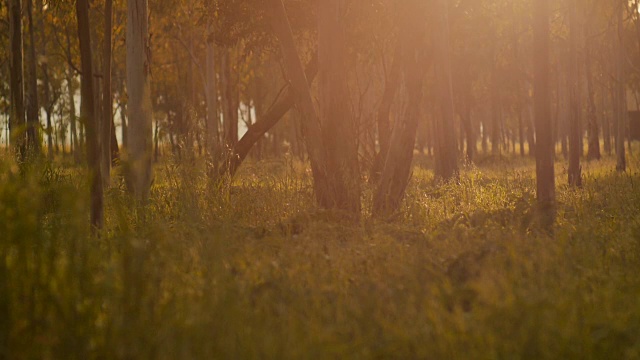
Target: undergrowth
column 251, row 269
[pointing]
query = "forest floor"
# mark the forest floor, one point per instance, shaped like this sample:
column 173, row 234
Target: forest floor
column 253, row 270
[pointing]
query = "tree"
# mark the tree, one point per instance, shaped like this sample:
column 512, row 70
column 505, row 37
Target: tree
column 106, row 129
column 89, row 113
column 338, row 132
column 16, row 71
column 446, row 156
column 620, row 107
column 545, row 174
column 575, row 110
column 140, row 137
column 397, row 165
column 33, row 110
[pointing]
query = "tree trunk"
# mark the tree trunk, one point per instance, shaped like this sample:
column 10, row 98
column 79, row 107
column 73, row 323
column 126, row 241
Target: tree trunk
column 33, row 118
column 300, row 87
column 212, row 132
column 107, row 96
column 338, row 128
column 592, row 117
column 620, row 107
column 545, row 178
column 87, row 94
column 397, row 166
column 575, row 145
column 140, row 135
column 48, row 102
column 267, row 120
column 16, row 72
column 383, row 121
column 446, row 158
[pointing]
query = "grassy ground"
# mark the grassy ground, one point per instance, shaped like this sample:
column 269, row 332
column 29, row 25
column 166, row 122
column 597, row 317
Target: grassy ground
column 252, row 270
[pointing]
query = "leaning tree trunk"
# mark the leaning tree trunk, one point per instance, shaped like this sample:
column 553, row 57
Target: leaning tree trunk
column 140, row 133
column 267, row 121
column 16, row 72
column 107, row 96
column 397, row 165
column 300, row 87
column 545, row 178
column 33, row 118
column 89, row 111
column 575, row 145
column 338, row 128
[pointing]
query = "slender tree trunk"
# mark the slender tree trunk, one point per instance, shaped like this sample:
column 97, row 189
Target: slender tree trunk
column 592, row 117
column 140, row 136
column 212, row 132
column 621, row 103
column 545, row 178
column 47, row 101
column 338, row 128
column 33, row 118
column 446, row 158
column 575, row 145
column 16, row 72
column 87, row 94
column 107, row 96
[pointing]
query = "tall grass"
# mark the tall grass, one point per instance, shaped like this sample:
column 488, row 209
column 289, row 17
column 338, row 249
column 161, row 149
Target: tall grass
column 250, row 269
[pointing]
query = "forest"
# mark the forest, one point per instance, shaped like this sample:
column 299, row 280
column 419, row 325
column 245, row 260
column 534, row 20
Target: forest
column 319, row 179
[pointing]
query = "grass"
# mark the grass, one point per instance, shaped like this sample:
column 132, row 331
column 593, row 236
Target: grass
column 253, row 270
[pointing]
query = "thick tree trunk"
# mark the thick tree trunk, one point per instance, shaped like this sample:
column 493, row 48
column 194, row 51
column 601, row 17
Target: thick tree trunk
column 575, row 145
column 89, row 111
column 338, row 128
column 16, row 72
column 545, row 174
column 140, row 133
column 106, row 130
column 33, row 109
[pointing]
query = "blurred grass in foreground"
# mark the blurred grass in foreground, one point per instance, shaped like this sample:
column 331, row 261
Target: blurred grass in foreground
column 252, row 270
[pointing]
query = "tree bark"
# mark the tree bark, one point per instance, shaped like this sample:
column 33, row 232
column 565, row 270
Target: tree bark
column 545, row 173
column 16, row 72
column 87, row 94
column 140, row 133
